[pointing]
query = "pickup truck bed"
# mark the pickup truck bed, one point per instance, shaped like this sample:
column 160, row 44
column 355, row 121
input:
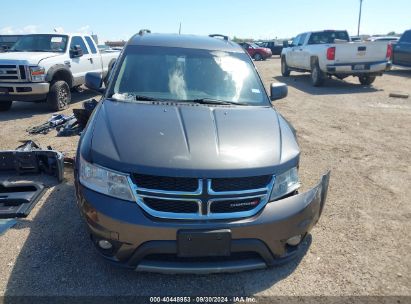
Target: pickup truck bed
column 322, row 54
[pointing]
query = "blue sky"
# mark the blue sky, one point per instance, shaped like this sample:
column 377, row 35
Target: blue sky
column 248, row 19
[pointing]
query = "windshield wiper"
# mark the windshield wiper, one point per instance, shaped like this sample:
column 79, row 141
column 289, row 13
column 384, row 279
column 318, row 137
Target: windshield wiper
column 217, row 101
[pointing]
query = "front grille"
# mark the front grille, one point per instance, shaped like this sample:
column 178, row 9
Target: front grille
column 175, row 206
column 22, row 72
column 13, row 73
column 166, row 183
column 238, row 205
column 7, row 66
column 240, row 183
column 201, row 198
column 9, row 77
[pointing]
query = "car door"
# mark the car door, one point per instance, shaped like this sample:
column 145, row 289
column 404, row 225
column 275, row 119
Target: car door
column 79, row 66
column 292, row 58
column 94, row 55
column 303, row 54
column 402, row 50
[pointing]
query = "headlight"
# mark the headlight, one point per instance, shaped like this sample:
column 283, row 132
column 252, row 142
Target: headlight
column 285, row 183
column 105, row 181
column 37, row 74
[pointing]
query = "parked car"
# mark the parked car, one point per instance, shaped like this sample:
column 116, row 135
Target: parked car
column 272, row 45
column 46, row 66
column 255, row 51
column 7, row 41
column 185, row 165
column 402, row 50
column 330, row 53
column 356, row 38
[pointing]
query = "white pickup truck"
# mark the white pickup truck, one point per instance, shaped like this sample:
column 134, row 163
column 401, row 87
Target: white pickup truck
column 331, row 53
column 46, row 67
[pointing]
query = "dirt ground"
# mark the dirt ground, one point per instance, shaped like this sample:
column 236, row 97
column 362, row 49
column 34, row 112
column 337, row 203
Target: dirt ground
column 360, row 246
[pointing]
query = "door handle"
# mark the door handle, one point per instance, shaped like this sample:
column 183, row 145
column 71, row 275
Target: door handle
column 91, row 60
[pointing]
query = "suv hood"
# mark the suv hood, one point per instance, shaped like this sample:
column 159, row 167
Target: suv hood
column 27, row 58
column 191, row 140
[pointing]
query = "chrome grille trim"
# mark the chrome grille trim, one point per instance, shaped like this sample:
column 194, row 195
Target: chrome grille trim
column 262, row 193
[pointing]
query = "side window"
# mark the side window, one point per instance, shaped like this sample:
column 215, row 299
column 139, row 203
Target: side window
column 77, row 40
column 302, row 39
column 91, row 45
column 295, row 40
column 406, row 37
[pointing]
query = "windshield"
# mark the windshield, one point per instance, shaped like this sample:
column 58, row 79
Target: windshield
column 40, row 43
column 182, row 74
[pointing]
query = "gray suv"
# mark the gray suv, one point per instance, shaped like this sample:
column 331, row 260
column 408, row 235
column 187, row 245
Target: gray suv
column 186, row 167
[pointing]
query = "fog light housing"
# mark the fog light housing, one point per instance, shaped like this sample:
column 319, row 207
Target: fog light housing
column 294, row 240
column 104, row 244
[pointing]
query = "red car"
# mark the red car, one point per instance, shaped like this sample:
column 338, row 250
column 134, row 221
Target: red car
column 255, row 51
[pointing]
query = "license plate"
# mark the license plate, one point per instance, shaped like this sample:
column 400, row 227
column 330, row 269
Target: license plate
column 359, row 67
column 194, row 243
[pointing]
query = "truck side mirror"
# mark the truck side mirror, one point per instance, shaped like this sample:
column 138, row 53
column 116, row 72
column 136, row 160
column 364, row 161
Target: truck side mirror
column 76, row 52
column 94, row 81
column 285, row 44
column 278, row 91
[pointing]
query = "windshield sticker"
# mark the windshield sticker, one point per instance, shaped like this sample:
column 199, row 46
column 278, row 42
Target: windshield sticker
column 256, row 91
column 56, row 39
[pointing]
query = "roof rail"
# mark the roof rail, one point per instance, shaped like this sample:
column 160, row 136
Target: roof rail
column 144, row 31
column 218, row 35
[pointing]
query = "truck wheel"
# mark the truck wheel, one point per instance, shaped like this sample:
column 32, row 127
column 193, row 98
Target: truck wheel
column 366, row 80
column 317, row 76
column 285, row 71
column 5, row 105
column 258, row 57
column 59, row 95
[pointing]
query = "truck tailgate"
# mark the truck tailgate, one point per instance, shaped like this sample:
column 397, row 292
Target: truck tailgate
column 356, row 52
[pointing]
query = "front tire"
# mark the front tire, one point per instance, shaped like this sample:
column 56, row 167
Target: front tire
column 317, row 76
column 59, row 96
column 366, row 80
column 285, row 71
column 258, row 57
column 5, row 105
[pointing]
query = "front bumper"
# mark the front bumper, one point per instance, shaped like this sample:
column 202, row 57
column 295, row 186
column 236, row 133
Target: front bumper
column 144, row 243
column 28, row 91
column 375, row 68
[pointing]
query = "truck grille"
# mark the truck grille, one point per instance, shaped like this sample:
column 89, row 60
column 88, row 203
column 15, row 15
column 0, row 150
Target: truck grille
column 12, row 73
column 192, row 198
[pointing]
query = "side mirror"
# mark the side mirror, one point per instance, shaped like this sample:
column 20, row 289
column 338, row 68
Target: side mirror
column 94, row 81
column 278, row 91
column 76, row 52
column 286, row 44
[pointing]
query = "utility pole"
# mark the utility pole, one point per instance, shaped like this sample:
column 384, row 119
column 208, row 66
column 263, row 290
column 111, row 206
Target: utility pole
column 179, row 29
column 359, row 19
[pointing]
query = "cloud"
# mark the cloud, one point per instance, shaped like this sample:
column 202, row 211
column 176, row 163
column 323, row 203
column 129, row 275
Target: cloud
column 28, row 29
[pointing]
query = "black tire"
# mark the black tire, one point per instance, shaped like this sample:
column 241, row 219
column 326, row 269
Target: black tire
column 5, row 105
column 285, row 71
column 59, row 96
column 258, row 57
column 317, row 76
column 366, row 80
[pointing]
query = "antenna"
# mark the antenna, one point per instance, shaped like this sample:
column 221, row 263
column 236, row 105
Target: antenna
column 179, row 29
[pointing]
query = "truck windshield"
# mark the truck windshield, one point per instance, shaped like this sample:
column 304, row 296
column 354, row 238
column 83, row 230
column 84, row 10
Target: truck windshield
column 328, row 37
column 40, row 43
column 188, row 75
